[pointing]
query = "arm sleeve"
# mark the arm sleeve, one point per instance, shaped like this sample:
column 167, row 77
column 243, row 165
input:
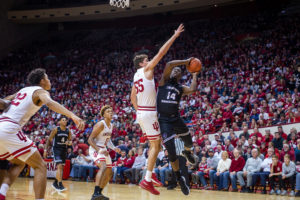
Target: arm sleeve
column 111, row 145
column 293, row 170
column 257, row 169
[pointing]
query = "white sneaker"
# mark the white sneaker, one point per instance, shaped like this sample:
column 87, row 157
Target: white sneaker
column 292, row 193
column 278, row 192
column 272, row 192
column 283, row 193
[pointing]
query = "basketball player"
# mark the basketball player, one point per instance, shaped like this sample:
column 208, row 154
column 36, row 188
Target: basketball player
column 143, row 98
column 99, row 140
column 62, row 139
column 168, row 98
column 17, row 147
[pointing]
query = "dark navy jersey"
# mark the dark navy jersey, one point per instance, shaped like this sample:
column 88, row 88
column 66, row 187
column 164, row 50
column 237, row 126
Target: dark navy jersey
column 61, row 138
column 168, row 98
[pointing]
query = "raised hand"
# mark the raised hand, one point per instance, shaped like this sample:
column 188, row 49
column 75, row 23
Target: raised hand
column 79, row 122
column 179, row 30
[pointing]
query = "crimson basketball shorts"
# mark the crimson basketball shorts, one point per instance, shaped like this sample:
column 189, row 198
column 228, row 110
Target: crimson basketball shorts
column 98, row 157
column 13, row 142
column 149, row 124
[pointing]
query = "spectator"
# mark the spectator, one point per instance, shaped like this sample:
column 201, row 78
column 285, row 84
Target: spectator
column 236, row 166
column 163, row 168
column 201, row 173
column 212, row 164
column 133, row 173
column 275, row 171
column 287, row 150
column 265, row 166
column 222, row 174
column 78, row 163
column 252, row 165
column 121, row 166
column 277, row 141
column 245, row 133
column 288, row 175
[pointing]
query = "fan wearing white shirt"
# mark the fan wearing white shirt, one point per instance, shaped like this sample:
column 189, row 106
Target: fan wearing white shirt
column 222, row 174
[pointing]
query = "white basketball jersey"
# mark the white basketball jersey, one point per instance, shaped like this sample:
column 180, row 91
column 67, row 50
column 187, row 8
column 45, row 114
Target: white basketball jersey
column 105, row 135
column 22, row 108
column 145, row 91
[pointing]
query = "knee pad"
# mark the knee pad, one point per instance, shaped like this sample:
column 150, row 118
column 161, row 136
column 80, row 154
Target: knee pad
column 170, row 146
column 187, row 140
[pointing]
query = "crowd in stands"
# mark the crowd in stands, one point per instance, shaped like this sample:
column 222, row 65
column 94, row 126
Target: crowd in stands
column 250, row 80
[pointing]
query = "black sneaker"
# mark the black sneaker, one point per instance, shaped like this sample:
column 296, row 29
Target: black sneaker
column 189, row 156
column 99, row 196
column 61, row 187
column 184, row 188
column 55, row 185
column 171, row 187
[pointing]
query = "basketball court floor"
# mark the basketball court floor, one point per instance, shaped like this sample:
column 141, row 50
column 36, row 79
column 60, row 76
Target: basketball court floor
column 23, row 190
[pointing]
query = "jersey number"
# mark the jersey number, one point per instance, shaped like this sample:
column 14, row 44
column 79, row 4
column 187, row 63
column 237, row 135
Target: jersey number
column 171, row 96
column 19, row 97
column 21, row 136
column 155, row 126
column 63, row 140
column 139, row 86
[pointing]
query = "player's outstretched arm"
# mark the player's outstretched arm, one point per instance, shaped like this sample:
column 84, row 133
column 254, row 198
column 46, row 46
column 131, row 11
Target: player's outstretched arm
column 44, row 96
column 49, row 141
column 96, row 130
column 169, row 67
column 193, row 87
column 164, row 49
column 4, row 104
column 133, row 98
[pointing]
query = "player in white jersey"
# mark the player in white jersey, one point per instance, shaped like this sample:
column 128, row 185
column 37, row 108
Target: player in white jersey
column 99, row 140
column 143, row 98
column 17, row 147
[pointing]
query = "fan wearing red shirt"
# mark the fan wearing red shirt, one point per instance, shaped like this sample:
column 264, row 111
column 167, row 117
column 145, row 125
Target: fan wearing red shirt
column 280, row 131
column 121, row 165
column 275, row 172
column 256, row 133
column 201, row 173
column 287, row 150
column 237, row 164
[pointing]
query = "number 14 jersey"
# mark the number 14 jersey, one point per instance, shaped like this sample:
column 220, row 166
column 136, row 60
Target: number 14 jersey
column 168, row 98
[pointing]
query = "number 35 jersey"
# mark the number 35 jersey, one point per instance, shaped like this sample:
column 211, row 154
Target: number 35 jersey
column 145, row 91
column 105, row 135
column 22, row 108
column 168, row 98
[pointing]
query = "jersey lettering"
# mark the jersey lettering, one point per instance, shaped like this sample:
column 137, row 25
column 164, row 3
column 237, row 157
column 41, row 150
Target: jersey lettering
column 171, row 96
column 155, row 126
column 19, row 97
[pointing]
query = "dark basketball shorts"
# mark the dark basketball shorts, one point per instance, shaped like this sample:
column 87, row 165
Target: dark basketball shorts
column 59, row 155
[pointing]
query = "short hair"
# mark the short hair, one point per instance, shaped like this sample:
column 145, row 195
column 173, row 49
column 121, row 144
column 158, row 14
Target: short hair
column 138, row 59
column 35, row 76
column 287, row 156
column 103, row 109
column 274, row 156
column 63, row 116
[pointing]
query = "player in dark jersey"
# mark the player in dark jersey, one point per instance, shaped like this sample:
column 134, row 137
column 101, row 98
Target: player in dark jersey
column 171, row 124
column 61, row 138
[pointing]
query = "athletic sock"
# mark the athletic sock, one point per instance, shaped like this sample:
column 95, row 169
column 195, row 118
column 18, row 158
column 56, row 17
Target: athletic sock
column 178, row 175
column 148, row 176
column 4, row 189
column 97, row 190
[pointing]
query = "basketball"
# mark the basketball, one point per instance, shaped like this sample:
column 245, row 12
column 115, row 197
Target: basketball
column 195, row 65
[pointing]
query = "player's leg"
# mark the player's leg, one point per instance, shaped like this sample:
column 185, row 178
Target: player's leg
column 10, row 175
column 40, row 174
column 60, row 169
column 59, row 164
column 149, row 124
column 99, row 176
column 183, row 132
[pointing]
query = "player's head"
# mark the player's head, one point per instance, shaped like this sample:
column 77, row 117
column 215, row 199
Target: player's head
column 140, row 61
column 63, row 121
column 39, row 77
column 176, row 73
column 106, row 112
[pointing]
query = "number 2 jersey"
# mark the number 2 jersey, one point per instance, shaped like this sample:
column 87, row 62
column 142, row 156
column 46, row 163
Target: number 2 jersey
column 22, row 107
column 145, row 91
column 168, row 99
